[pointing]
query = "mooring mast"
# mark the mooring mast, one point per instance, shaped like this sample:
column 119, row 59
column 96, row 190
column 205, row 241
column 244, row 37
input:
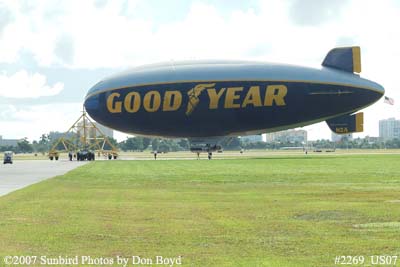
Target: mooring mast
column 83, row 138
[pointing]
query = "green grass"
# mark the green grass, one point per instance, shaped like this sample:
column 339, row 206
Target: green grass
column 274, row 211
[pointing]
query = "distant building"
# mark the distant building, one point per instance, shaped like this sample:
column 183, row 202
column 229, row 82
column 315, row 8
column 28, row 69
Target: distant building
column 53, row 136
column 91, row 131
column 77, row 131
column 389, row 129
column 339, row 137
column 8, row 142
column 372, row 139
column 105, row 130
column 251, row 138
column 288, row 136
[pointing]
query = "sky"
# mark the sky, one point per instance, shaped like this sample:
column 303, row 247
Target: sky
column 52, row 52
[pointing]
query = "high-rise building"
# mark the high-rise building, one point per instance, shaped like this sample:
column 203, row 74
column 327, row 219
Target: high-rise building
column 290, row 136
column 389, row 129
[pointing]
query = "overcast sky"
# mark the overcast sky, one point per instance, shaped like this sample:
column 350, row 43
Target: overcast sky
column 52, row 52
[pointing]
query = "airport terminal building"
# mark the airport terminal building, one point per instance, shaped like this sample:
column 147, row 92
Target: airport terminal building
column 288, row 136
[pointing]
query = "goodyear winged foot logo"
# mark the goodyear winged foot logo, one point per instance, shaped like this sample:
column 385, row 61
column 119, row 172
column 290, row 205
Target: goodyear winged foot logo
column 194, row 94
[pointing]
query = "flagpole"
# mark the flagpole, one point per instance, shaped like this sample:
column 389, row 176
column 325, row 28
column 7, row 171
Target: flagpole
column 390, row 101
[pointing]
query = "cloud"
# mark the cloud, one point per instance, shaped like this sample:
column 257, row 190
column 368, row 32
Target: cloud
column 64, row 49
column 18, row 121
column 24, row 85
column 346, row 41
column 100, row 3
column 314, row 13
column 113, row 34
column 6, row 17
column 116, row 34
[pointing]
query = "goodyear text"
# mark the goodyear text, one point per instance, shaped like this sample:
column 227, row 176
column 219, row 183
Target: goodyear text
column 171, row 100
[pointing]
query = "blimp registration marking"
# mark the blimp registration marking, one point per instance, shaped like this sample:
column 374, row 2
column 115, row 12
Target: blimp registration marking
column 171, row 100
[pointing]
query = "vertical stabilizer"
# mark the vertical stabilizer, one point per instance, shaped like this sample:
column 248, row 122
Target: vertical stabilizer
column 344, row 58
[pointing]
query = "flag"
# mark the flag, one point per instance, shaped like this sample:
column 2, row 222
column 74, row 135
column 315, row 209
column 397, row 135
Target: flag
column 389, row 100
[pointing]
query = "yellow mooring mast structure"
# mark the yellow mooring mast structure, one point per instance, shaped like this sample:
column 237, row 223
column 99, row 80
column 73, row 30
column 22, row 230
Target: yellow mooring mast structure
column 83, row 141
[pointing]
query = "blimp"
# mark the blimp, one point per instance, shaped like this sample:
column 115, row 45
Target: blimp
column 206, row 101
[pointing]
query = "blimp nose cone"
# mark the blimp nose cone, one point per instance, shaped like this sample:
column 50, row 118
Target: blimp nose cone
column 92, row 104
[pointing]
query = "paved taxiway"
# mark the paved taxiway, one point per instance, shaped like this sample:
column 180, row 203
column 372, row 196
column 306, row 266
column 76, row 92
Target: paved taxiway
column 26, row 172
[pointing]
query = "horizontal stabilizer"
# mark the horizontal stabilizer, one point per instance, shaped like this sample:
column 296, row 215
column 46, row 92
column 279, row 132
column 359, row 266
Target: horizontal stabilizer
column 347, row 123
column 344, row 58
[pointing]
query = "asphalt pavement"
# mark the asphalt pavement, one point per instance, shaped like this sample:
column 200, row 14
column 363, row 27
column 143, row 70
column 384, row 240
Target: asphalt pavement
column 26, row 172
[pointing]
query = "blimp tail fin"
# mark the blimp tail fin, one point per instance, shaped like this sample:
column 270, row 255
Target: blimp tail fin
column 344, row 58
column 346, row 124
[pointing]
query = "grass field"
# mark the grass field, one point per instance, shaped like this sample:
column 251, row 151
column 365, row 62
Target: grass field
column 226, row 154
column 263, row 211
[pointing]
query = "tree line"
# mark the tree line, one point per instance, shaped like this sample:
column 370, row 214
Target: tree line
column 140, row 143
